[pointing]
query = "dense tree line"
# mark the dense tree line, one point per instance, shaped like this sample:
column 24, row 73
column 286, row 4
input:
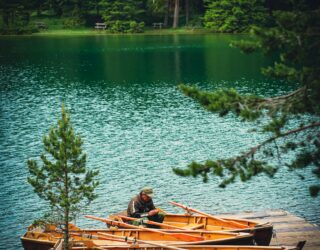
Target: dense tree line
column 119, row 15
column 231, row 16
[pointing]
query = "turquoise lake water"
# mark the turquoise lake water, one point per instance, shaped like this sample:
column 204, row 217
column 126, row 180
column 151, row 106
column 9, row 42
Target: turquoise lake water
column 136, row 125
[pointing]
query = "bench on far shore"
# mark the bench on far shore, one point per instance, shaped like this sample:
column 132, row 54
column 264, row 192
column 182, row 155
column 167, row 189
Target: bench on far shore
column 157, row 25
column 100, row 26
column 41, row 25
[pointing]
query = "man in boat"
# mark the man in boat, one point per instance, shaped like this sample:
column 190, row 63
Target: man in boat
column 141, row 206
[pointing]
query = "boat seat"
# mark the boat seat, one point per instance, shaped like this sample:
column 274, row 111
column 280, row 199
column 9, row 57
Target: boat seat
column 193, row 226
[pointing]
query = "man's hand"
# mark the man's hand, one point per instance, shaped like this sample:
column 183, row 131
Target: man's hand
column 153, row 212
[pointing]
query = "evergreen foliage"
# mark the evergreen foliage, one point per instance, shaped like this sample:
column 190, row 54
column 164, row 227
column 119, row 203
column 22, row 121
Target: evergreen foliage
column 234, row 16
column 15, row 17
column 63, row 179
column 295, row 37
column 123, row 16
column 20, row 16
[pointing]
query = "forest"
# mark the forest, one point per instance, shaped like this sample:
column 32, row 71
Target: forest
column 134, row 16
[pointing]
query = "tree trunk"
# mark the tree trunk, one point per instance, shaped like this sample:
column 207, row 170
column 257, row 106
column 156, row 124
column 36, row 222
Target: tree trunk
column 5, row 18
column 97, row 8
column 176, row 14
column 66, row 208
column 166, row 16
column 187, row 11
column 66, row 230
column 12, row 17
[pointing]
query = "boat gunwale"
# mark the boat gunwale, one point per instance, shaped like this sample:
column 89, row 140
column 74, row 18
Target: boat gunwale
column 224, row 218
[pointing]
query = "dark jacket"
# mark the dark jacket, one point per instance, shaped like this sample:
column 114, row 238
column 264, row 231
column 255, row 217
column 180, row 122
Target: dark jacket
column 137, row 208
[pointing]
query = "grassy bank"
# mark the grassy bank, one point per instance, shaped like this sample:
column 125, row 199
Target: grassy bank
column 64, row 27
column 91, row 31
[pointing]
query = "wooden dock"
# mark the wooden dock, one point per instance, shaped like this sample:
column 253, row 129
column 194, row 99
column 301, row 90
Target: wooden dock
column 289, row 229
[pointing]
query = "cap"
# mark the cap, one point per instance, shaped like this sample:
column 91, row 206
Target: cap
column 148, row 191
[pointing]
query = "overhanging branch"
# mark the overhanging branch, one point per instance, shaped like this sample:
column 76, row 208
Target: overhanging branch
column 253, row 150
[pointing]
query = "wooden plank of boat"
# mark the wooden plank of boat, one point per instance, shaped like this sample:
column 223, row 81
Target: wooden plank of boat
column 133, row 244
column 202, row 247
column 130, row 244
column 142, row 246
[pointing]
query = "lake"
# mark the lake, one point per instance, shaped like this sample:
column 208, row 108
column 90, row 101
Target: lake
column 135, row 123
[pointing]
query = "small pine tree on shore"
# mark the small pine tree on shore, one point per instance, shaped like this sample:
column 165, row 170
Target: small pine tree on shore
column 63, row 179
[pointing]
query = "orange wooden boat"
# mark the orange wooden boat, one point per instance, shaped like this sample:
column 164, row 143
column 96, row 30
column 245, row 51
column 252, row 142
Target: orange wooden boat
column 46, row 239
column 42, row 241
column 141, row 245
column 262, row 232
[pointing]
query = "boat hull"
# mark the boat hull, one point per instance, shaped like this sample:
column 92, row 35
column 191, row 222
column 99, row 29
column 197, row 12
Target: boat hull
column 210, row 238
column 262, row 233
column 199, row 247
column 35, row 244
column 46, row 239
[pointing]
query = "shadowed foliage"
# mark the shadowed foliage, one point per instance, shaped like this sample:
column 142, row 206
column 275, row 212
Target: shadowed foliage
column 290, row 122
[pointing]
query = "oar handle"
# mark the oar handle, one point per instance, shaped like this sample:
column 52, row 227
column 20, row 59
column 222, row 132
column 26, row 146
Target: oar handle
column 236, row 224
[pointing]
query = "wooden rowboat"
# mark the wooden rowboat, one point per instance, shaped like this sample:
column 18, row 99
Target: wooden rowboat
column 47, row 239
column 262, row 233
column 143, row 246
column 58, row 246
column 200, row 247
column 210, row 238
column 191, row 237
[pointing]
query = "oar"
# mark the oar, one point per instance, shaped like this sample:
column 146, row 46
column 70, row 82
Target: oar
column 94, row 236
column 139, row 241
column 235, row 224
column 150, row 222
column 179, row 236
column 89, row 245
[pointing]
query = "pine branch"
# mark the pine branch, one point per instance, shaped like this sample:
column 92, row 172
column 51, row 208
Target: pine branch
column 253, row 150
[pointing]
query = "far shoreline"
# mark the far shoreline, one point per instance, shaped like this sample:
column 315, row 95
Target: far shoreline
column 93, row 32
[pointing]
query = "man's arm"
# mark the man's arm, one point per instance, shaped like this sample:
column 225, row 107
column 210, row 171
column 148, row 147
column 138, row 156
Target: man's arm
column 152, row 209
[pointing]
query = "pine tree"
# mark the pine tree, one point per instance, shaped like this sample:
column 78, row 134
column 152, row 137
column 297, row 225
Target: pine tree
column 123, row 16
column 63, row 179
column 234, row 16
column 295, row 39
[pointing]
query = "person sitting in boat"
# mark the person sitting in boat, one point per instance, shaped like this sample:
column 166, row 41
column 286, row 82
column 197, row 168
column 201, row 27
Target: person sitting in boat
column 141, row 206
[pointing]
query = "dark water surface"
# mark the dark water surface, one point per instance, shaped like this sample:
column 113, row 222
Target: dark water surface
column 136, row 125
